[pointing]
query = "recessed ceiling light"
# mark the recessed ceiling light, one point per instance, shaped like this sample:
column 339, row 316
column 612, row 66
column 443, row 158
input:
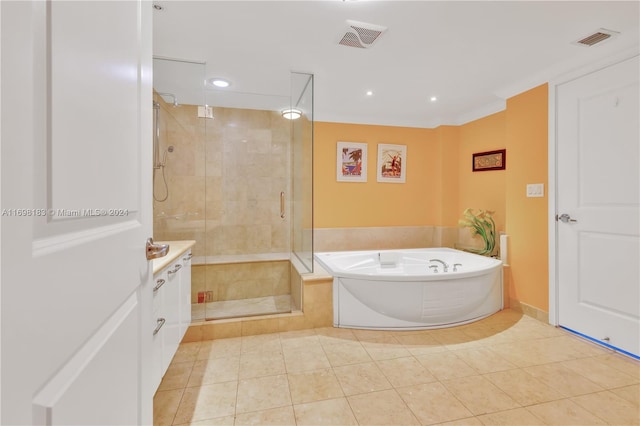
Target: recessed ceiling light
column 219, row 82
column 369, row 93
column 291, row 114
column 433, row 99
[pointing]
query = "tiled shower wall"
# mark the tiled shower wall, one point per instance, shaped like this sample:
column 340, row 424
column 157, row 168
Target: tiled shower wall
column 224, row 177
column 234, row 281
column 394, row 237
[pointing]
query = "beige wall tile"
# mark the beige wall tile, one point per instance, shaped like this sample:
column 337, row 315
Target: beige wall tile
column 221, row 330
column 252, row 327
column 193, row 334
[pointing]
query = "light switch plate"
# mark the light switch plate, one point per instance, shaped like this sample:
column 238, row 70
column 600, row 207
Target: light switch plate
column 535, row 190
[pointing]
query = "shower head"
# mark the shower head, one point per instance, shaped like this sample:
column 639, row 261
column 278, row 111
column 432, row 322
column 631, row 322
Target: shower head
column 175, row 99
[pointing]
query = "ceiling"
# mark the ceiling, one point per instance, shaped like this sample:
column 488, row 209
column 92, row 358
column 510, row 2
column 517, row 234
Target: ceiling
column 471, row 55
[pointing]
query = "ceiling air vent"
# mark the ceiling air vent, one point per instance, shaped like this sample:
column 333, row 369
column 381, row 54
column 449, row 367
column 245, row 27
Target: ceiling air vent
column 361, row 34
column 597, row 37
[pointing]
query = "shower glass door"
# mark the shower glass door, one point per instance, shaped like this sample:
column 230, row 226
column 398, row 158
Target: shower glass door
column 302, row 171
column 233, row 174
column 179, row 178
column 248, row 204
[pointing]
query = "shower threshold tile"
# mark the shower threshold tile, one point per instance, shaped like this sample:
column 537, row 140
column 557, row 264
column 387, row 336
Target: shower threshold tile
column 243, row 307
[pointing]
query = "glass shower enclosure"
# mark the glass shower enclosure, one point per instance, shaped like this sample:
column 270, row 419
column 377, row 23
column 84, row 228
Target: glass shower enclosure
column 233, row 174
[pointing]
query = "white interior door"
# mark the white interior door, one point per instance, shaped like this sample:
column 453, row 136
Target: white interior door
column 76, row 204
column 598, row 178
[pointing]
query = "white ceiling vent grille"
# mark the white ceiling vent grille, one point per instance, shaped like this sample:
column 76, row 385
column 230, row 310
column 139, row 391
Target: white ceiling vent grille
column 361, row 34
column 597, row 37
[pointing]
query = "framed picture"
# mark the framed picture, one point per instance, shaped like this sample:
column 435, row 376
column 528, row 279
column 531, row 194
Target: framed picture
column 351, row 162
column 392, row 163
column 490, row 160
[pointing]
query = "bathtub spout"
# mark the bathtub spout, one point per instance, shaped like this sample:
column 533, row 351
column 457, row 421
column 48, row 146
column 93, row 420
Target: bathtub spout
column 445, row 267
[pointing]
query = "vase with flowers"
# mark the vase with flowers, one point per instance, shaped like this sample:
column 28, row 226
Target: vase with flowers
column 481, row 223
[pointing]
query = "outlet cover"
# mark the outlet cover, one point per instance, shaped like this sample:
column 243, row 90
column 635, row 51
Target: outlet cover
column 535, row 190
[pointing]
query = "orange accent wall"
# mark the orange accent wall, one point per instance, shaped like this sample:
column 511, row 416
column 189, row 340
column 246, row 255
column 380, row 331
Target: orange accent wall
column 527, row 218
column 482, row 190
column 441, row 184
column 448, row 148
column 356, row 204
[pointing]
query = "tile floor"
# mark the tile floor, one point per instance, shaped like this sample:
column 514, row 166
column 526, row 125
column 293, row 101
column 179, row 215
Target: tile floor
column 507, row 369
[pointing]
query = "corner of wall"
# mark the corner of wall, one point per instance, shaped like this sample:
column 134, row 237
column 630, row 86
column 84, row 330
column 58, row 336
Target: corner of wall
column 527, row 225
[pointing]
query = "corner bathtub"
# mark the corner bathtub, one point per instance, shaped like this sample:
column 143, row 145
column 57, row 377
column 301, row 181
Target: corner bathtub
column 400, row 290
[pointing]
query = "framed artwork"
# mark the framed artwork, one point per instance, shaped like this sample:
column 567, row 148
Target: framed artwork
column 392, row 163
column 490, row 160
column 351, row 162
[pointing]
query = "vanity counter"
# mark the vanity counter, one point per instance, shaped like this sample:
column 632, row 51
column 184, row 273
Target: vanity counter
column 176, row 249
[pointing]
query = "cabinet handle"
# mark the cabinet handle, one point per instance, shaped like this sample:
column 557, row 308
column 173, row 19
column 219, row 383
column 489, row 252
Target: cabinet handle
column 188, row 257
column 160, row 323
column 159, row 284
column 175, row 269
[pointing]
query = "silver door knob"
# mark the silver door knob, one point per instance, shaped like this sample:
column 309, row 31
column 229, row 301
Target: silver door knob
column 566, row 218
column 155, row 251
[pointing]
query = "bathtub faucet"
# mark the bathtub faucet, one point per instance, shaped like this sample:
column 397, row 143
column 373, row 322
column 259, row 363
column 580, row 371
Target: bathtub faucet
column 444, row 264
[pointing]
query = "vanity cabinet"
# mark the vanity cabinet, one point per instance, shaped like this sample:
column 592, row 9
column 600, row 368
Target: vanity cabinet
column 171, row 312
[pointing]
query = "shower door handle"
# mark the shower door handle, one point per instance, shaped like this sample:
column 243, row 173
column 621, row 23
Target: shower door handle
column 155, row 251
column 282, row 205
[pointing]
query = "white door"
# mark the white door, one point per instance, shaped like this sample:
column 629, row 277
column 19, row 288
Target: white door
column 598, row 254
column 76, row 212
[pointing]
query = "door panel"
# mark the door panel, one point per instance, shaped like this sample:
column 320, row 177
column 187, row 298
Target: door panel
column 109, row 359
column 598, row 149
column 76, row 180
column 94, row 105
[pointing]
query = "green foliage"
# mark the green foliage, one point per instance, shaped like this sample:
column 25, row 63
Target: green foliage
column 481, row 223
